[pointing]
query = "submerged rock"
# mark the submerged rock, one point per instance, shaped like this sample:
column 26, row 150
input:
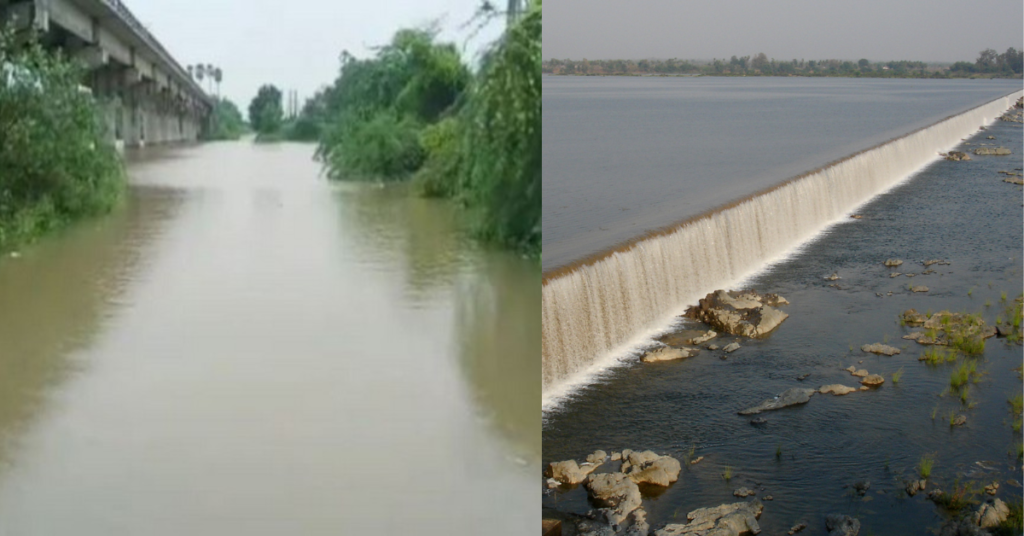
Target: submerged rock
column 913, row 318
column 668, row 354
column 992, row 151
column 789, row 397
column 725, row 520
column 744, row 492
column 840, row 525
column 957, row 156
column 797, row 528
column 892, row 263
column 747, row 314
column 833, row 277
column 919, row 288
column 878, row 348
column 731, row 347
column 872, row 380
column 836, row 389
column 758, row 420
column 959, row 420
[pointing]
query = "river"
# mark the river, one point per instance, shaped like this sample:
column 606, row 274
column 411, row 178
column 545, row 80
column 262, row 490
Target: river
column 246, row 348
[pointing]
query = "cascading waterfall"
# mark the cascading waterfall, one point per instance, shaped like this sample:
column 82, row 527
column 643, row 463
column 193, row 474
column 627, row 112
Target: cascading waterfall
column 593, row 312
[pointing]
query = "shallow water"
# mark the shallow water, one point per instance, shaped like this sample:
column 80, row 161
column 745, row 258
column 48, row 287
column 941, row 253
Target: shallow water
column 246, row 348
column 625, row 155
column 961, row 212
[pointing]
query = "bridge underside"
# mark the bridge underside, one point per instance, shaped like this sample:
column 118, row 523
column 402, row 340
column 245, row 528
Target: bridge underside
column 145, row 96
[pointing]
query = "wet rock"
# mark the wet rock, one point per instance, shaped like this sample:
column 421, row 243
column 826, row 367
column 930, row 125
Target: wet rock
column 797, row 528
column 837, row 389
column 991, row 514
column 840, row 525
column 957, row 156
column 878, row 348
column 913, row 318
column 1005, row 330
column 747, row 314
column 935, row 495
column 990, row 137
column 725, row 520
column 696, row 460
column 668, row 354
column 992, row 488
column 768, row 498
column 894, row 274
column 910, row 275
column 789, row 397
column 649, row 468
column 931, row 262
column 872, row 380
column 992, row 151
column 892, row 263
column 862, row 486
column 856, row 216
column 860, row 373
column 919, row 288
column 803, row 377
column 731, row 347
column 744, row 492
column 712, row 347
column 758, row 420
column 639, row 527
column 552, row 483
column 616, row 456
column 703, row 338
column 959, row 420
column 616, row 492
column 568, row 472
column 1015, row 180
column 833, row 277
column 625, row 454
column 913, row 487
column 597, row 457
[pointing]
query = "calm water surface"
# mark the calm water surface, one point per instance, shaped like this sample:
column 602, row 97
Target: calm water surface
column 626, row 155
column 246, row 349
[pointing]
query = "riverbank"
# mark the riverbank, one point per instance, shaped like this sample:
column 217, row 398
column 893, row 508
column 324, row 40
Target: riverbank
column 808, row 459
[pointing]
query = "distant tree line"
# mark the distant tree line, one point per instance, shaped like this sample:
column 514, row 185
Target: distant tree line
column 989, row 62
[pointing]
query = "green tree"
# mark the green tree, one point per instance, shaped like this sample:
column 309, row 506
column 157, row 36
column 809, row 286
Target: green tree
column 265, row 111
column 228, row 123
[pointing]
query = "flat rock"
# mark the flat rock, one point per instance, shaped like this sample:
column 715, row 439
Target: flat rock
column 744, row 492
column 919, row 288
column 892, row 263
column 860, row 373
column 992, row 151
column 957, row 156
column 797, row 528
column 616, row 492
column 696, row 460
column 668, row 354
column 710, row 334
column 837, row 389
column 789, row 397
column 840, row 525
column 597, row 457
column 913, row 318
column 568, row 472
column 725, row 520
column 731, row 347
column 648, row 467
column 959, row 420
column 872, row 380
column 878, row 348
column 616, row 456
column 746, row 314
column 712, row 347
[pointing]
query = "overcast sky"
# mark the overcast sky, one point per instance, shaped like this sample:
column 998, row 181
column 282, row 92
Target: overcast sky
column 295, row 44
column 926, row 30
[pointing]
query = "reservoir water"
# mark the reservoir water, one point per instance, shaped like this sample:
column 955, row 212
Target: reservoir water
column 245, row 348
column 627, row 155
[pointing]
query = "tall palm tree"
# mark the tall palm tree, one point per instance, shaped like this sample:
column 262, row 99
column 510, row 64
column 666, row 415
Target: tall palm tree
column 217, row 76
column 200, row 73
column 191, row 74
column 209, row 75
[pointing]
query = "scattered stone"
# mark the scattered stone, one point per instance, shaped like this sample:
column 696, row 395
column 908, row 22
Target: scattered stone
column 616, row 492
column 712, row 347
column 626, row 453
column 1014, row 180
column 894, row 274
column 862, row 486
column 892, row 263
column 957, row 156
column 668, row 354
column 840, row 525
column 758, row 420
column 991, row 514
column 872, row 380
column 864, row 388
column 731, row 347
column 725, row 520
column 797, row 528
column 802, row 377
column 833, row 277
column 837, row 389
column 597, row 457
column 703, row 338
column 768, row 498
column 568, row 472
column 744, row 492
column 878, row 348
column 856, row 216
column 789, row 397
column 959, row 420
column 919, row 288
column 648, row 467
column 913, row 487
column 990, row 137
column 992, row 488
column 913, row 318
column 860, row 373
column 992, row 151
column 910, row 275
column 747, row 314
column 935, row 494
column 552, row 483
column 696, row 460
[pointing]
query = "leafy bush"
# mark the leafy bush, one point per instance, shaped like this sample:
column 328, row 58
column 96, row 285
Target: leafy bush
column 441, row 171
column 56, row 163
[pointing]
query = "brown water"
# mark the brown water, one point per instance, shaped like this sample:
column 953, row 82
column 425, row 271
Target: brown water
column 244, row 348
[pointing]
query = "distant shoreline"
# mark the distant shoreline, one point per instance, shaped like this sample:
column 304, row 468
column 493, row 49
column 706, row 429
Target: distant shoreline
column 936, row 76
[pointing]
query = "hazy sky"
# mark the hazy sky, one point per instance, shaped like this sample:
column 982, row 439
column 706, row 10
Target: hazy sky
column 932, row 30
column 296, row 44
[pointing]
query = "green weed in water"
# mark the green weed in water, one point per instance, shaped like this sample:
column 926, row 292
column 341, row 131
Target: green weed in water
column 924, row 467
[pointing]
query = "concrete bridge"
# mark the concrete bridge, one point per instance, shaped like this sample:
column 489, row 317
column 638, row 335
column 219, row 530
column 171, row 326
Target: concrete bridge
column 147, row 97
